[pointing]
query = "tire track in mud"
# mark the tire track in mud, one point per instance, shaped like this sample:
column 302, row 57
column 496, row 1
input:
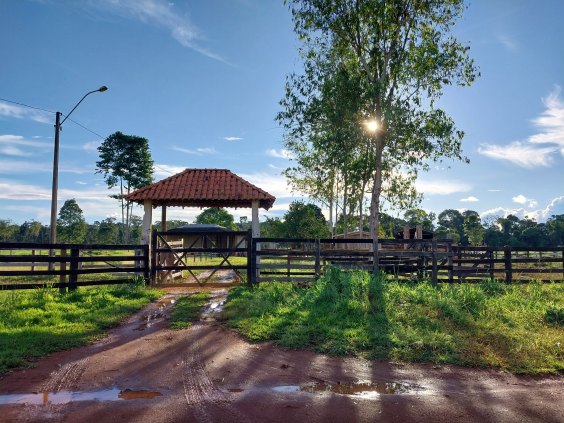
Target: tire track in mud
column 64, row 379
column 208, row 402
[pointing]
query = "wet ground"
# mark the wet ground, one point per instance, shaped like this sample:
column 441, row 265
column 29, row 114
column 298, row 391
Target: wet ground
column 144, row 372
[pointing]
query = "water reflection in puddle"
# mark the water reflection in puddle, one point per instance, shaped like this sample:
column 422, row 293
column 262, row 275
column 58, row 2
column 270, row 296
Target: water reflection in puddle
column 65, row 397
column 214, row 308
column 361, row 389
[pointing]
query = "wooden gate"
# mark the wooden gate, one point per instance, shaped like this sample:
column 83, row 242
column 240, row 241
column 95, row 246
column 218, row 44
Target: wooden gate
column 198, row 255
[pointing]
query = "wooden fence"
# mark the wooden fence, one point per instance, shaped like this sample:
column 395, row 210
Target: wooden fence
column 267, row 259
column 303, row 260
column 27, row 265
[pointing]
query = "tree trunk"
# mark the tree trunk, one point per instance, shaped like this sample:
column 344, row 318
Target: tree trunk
column 345, row 211
column 375, row 203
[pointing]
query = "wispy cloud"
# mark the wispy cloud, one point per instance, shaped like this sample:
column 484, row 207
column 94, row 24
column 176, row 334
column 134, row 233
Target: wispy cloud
column 441, row 187
column 279, row 154
column 538, row 150
column 92, row 145
column 10, row 150
column 162, row 14
column 470, row 199
column 25, row 166
column 197, row 151
column 520, row 153
column 507, row 42
column 232, row 138
column 274, row 184
column 494, row 190
column 20, row 112
column 162, row 171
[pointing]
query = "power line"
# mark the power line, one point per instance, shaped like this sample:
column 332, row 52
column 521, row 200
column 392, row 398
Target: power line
column 85, row 128
column 26, row 105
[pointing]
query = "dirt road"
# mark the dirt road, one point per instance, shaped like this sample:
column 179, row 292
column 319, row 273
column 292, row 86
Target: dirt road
column 144, row 372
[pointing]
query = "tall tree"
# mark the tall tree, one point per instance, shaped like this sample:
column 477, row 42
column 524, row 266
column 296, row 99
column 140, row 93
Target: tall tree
column 400, row 54
column 125, row 161
column 71, row 223
column 473, row 228
column 217, row 216
column 304, row 221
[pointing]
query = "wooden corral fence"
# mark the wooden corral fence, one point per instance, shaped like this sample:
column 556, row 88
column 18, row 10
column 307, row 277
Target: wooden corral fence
column 303, row 260
column 30, row 265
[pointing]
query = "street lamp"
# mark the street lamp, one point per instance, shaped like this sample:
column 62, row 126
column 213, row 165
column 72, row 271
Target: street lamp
column 58, row 125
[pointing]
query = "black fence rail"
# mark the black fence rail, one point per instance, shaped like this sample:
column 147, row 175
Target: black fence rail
column 30, row 265
column 303, row 260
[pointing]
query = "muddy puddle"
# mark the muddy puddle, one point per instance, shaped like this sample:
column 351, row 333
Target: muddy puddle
column 155, row 316
column 358, row 389
column 65, row 397
column 215, row 305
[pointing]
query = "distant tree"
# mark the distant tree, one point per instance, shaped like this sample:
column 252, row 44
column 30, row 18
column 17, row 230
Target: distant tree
column 30, row 231
column 555, row 229
column 273, row 227
column 8, row 230
column 108, row 231
column 71, row 223
column 415, row 217
column 305, row 221
column 217, row 216
column 125, row 161
column 450, row 221
column 244, row 224
column 473, row 228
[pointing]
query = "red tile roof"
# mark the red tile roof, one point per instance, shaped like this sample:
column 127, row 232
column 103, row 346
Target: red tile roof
column 203, row 188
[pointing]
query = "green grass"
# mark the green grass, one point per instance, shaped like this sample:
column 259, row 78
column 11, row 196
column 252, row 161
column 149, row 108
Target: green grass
column 187, row 310
column 518, row 328
column 38, row 322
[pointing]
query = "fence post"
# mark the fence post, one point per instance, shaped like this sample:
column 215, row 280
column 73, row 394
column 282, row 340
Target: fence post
column 249, row 257
column 62, row 268
column 459, row 263
column 434, row 263
column 508, row 269
column 73, row 277
column 317, row 258
column 146, row 268
column 449, row 261
column 33, row 263
column 492, row 263
column 253, row 278
column 153, row 261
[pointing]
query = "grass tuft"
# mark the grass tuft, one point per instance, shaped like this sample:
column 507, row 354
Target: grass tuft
column 187, row 310
column 39, row 322
column 513, row 327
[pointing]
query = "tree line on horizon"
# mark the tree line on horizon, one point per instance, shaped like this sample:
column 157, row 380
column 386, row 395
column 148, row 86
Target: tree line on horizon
column 303, row 220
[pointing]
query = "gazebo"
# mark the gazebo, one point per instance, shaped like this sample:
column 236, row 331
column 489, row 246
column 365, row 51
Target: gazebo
column 201, row 188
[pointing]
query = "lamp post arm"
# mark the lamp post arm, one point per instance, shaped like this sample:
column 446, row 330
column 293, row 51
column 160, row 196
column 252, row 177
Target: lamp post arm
column 77, row 104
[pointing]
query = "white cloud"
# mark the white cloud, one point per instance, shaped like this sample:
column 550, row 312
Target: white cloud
column 162, row 14
column 494, row 190
column 279, row 154
column 470, row 199
column 441, row 187
column 13, row 140
column 91, row 146
column 19, row 112
column 522, row 154
column 276, row 185
column 530, row 153
column 551, row 121
column 11, row 150
column 81, row 183
column 162, row 171
column 13, row 166
column 232, row 138
column 521, row 199
column 197, row 151
column 555, row 206
column 507, row 42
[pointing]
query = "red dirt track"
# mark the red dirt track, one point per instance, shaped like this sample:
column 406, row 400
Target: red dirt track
column 207, row 373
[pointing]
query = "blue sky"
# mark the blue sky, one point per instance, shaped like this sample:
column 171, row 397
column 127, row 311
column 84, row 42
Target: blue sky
column 202, row 81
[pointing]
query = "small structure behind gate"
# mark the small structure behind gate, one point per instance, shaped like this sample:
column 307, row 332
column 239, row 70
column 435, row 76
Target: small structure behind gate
column 199, row 253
